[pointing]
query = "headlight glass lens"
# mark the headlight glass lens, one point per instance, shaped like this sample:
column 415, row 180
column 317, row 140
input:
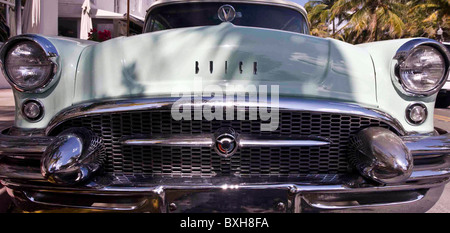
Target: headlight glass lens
column 28, row 66
column 423, row 70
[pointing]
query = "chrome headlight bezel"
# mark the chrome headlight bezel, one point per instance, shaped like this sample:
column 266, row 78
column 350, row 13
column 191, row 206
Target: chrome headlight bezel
column 408, row 114
column 403, row 54
column 41, row 110
column 50, row 52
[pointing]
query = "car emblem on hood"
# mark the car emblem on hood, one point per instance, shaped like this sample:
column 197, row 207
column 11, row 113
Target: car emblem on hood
column 227, row 13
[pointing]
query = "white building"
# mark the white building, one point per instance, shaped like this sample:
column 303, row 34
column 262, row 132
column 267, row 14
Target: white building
column 106, row 14
column 63, row 17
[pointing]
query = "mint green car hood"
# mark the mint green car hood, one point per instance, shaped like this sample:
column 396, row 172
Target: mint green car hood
column 161, row 63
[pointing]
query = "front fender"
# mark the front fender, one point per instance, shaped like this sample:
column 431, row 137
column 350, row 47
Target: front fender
column 60, row 95
column 390, row 99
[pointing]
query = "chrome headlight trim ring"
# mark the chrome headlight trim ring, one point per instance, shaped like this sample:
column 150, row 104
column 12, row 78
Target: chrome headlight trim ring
column 405, row 51
column 408, row 112
column 50, row 51
column 41, row 116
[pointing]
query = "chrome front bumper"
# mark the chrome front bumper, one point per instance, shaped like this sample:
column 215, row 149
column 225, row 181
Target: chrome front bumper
column 20, row 173
column 225, row 196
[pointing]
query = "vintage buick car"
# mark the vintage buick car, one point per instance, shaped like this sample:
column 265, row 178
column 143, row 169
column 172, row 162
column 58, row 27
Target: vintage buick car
column 96, row 125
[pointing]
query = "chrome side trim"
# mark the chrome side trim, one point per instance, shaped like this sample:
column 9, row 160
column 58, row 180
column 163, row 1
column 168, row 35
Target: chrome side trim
column 10, row 145
column 281, row 143
column 14, row 131
column 20, row 173
column 208, row 141
column 285, row 104
column 359, row 206
column 49, row 49
column 428, row 145
column 176, row 141
column 95, row 206
column 403, row 53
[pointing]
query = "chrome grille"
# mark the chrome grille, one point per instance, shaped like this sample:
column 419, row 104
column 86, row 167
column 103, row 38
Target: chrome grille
column 186, row 161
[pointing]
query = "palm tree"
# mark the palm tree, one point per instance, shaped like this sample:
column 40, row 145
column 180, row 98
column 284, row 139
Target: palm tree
column 426, row 16
column 370, row 20
column 319, row 13
column 4, row 30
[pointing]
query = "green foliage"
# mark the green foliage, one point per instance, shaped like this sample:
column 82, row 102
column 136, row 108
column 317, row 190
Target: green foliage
column 361, row 21
column 319, row 14
column 4, row 30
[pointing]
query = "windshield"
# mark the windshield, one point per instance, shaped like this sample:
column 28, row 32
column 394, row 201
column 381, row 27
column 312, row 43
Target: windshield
column 206, row 14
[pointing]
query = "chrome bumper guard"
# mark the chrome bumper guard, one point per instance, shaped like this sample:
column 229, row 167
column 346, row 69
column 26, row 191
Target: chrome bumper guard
column 314, row 193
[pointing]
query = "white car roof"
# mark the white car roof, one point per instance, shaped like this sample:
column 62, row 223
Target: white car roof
column 284, row 3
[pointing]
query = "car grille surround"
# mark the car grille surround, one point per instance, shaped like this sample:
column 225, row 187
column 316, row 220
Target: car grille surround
column 205, row 162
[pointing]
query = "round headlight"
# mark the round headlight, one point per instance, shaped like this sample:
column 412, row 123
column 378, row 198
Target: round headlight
column 423, row 71
column 28, row 67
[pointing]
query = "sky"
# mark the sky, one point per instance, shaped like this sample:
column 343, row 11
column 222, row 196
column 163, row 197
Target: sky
column 301, row 2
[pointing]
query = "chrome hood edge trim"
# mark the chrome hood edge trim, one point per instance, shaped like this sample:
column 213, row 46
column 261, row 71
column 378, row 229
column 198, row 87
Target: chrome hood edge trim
column 292, row 104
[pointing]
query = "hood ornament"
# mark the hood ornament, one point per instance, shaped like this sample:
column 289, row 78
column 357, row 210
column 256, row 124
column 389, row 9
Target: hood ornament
column 227, row 13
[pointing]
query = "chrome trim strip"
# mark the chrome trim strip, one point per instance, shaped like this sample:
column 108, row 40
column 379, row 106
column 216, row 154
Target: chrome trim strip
column 361, row 206
column 245, row 143
column 428, row 145
column 14, row 131
column 17, row 172
column 22, row 149
column 49, row 49
column 14, row 145
column 208, row 141
column 95, row 206
column 285, row 104
column 176, row 141
column 432, row 171
column 422, row 175
column 402, row 54
column 346, row 186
